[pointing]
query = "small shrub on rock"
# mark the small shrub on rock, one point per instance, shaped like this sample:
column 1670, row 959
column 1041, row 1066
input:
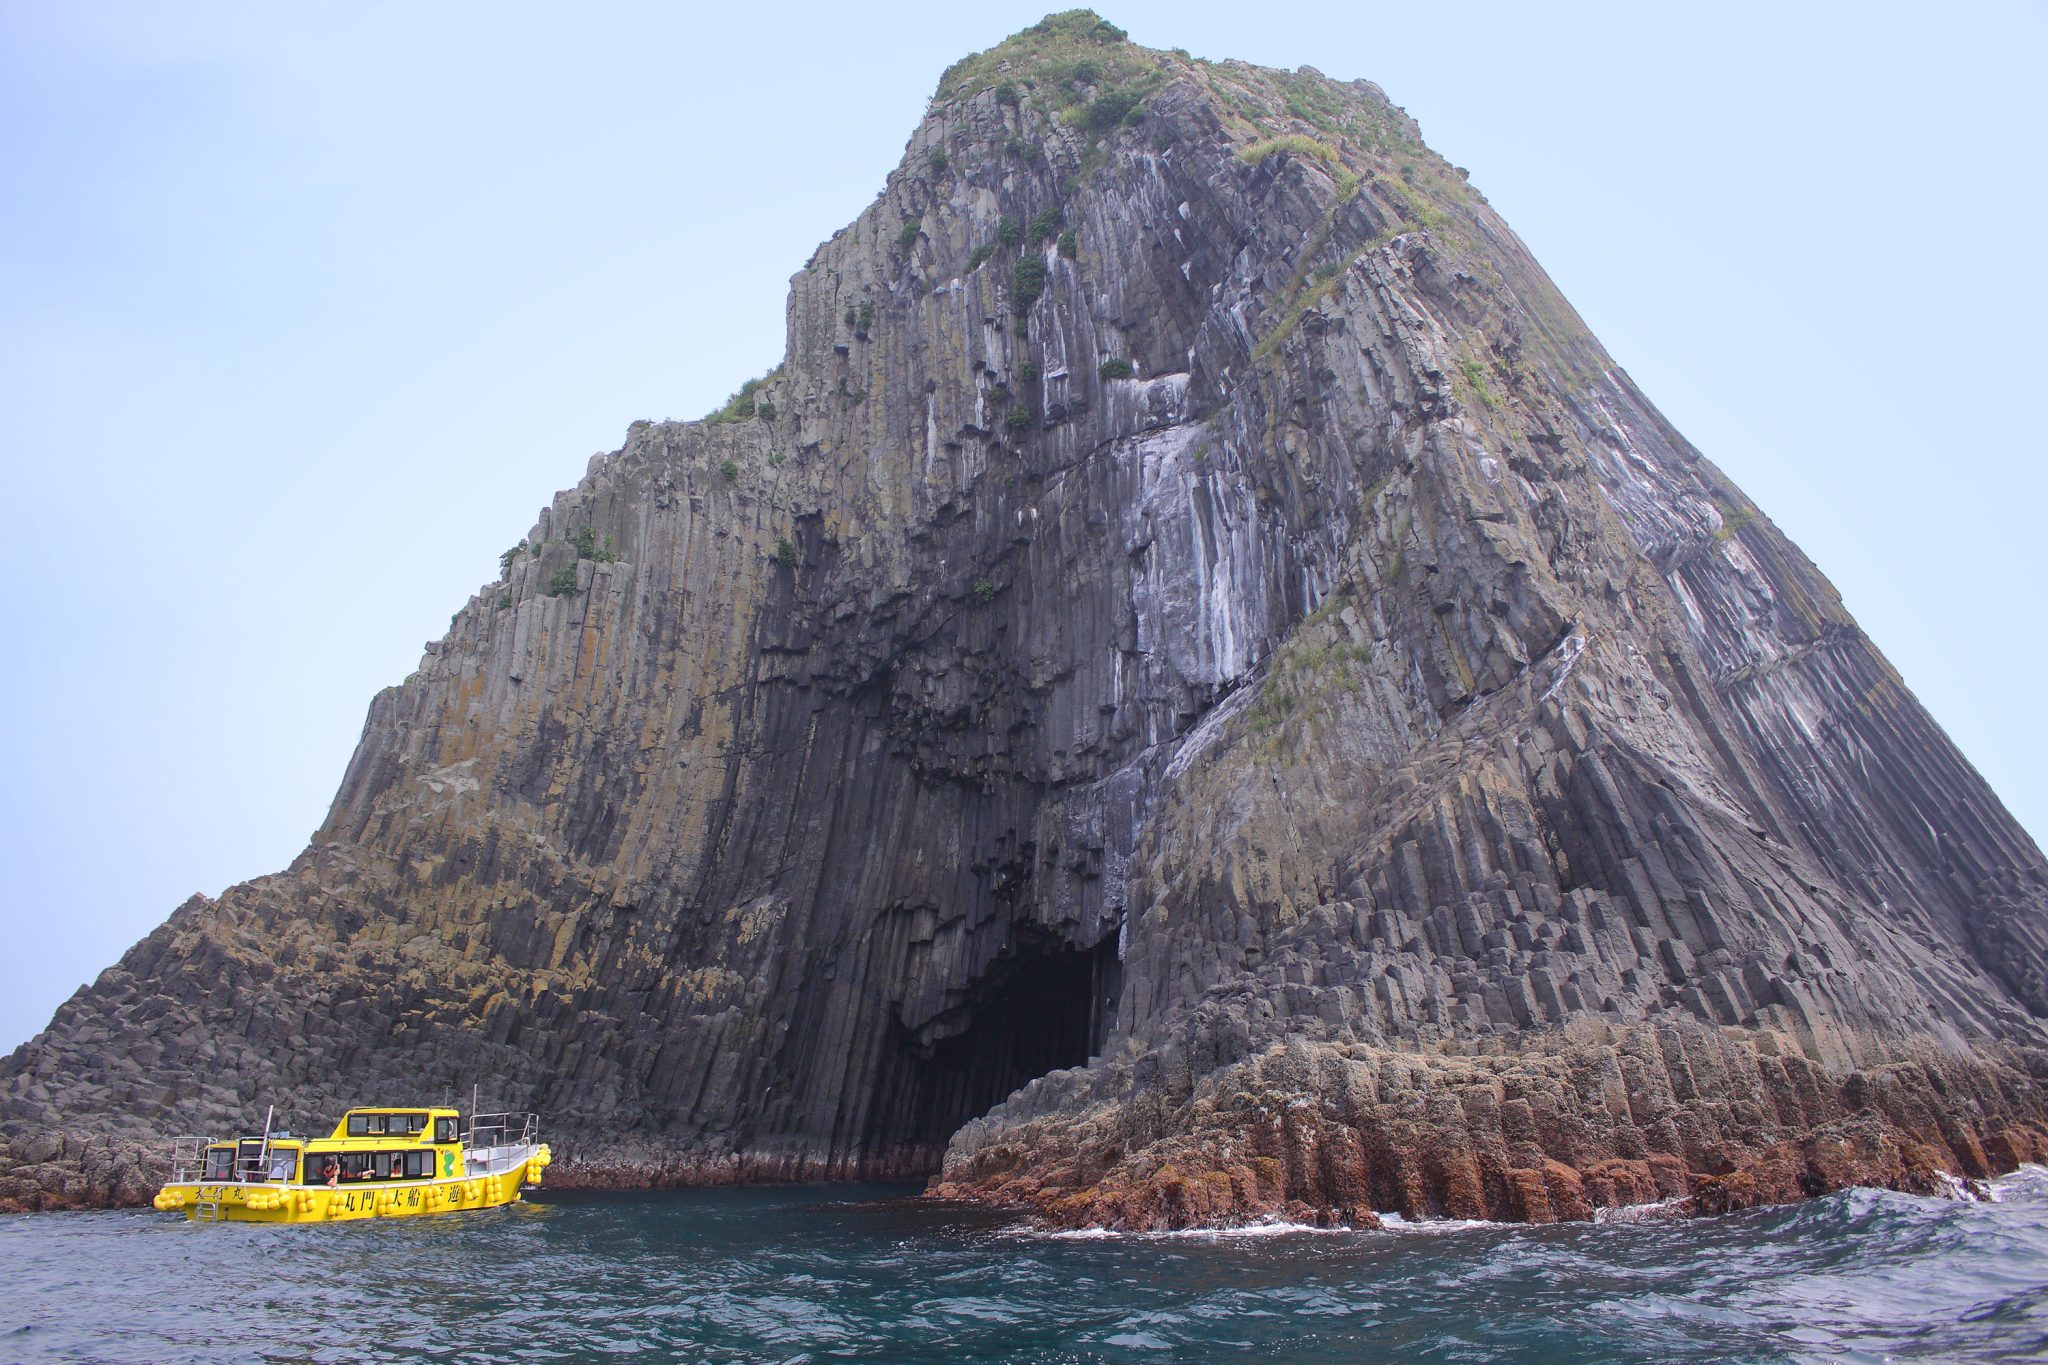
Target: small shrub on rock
column 585, row 541
column 1108, row 109
column 1027, row 282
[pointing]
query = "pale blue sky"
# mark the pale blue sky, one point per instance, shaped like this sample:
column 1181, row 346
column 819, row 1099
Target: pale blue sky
column 305, row 309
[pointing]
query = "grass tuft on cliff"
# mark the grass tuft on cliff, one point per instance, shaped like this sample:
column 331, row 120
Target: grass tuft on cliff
column 1298, row 144
column 743, row 406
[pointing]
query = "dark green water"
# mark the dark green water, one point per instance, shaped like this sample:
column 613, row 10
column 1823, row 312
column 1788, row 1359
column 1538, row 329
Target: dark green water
column 823, row 1273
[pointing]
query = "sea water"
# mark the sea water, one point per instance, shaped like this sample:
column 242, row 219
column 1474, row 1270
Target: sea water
column 825, row 1272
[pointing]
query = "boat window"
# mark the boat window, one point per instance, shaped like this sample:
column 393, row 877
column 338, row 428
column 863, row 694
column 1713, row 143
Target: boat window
column 284, row 1164
column 220, row 1163
column 414, row 1123
column 444, row 1130
column 358, row 1124
column 393, row 1166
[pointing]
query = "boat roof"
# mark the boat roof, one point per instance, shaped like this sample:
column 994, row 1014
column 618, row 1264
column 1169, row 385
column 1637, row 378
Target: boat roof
column 423, row 1132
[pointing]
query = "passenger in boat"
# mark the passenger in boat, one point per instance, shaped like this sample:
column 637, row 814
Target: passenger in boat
column 330, row 1171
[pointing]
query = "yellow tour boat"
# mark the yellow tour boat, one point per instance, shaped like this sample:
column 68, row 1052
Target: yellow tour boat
column 377, row 1163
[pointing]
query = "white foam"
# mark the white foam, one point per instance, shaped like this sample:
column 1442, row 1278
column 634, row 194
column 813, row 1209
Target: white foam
column 1273, row 1228
column 1138, row 1341
column 1394, row 1222
column 1656, row 1212
column 2028, row 1182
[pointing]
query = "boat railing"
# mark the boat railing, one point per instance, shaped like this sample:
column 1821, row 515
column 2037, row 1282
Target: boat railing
column 186, row 1160
column 502, row 1130
column 251, row 1165
column 492, row 1140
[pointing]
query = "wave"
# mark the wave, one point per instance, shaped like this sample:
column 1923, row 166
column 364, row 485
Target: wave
column 1394, row 1222
column 1267, row 1228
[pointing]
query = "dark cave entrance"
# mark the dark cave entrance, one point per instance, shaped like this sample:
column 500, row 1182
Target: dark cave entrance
column 1042, row 1006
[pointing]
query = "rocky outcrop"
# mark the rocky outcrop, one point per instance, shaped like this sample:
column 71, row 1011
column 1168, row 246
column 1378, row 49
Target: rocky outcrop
column 1196, row 689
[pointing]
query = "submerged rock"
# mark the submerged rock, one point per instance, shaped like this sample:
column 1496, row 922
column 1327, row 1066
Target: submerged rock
column 1197, row 692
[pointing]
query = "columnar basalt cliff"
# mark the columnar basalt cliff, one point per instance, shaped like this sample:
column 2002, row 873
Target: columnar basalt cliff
column 1196, row 689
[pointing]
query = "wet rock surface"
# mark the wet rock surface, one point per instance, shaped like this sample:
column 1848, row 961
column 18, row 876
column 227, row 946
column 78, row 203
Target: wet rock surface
column 1196, row 667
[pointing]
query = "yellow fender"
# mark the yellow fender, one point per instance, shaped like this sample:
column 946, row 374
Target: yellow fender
column 169, row 1201
column 537, row 1163
column 262, row 1201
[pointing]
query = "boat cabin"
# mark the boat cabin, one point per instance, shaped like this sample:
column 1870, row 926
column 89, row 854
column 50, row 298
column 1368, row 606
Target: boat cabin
column 386, row 1144
column 366, row 1145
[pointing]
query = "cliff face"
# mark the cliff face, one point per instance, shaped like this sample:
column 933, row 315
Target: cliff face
column 1193, row 597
